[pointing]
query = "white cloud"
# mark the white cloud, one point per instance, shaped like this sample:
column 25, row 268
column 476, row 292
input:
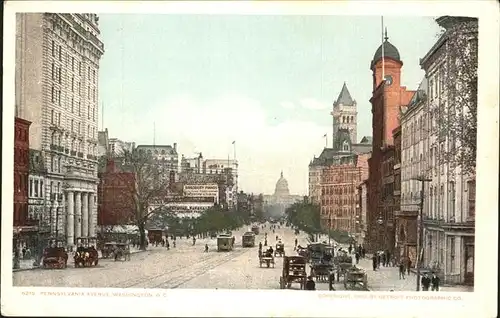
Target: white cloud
column 311, row 103
column 287, row 105
column 210, row 127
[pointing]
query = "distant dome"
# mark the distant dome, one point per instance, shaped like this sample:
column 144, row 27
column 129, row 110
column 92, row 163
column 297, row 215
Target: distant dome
column 281, row 187
column 390, row 51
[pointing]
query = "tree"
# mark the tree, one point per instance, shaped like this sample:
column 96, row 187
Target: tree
column 457, row 118
column 306, row 216
column 150, row 185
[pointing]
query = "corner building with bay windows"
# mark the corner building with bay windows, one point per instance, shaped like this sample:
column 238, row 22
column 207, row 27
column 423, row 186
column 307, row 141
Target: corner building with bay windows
column 57, row 67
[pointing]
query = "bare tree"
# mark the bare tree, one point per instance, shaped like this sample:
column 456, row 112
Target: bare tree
column 457, row 119
column 150, row 184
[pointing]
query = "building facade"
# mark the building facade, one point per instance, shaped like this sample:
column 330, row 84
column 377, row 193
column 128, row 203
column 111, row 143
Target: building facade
column 387, row 202
column 339, row 193
column 387, row 98
column 361, row 212
column 449, row 217
column 209, row 190
column 414, row 164
column 57, row 66
column 117, row 146
column 165, row 154
column 219, row 166
column 115, row 196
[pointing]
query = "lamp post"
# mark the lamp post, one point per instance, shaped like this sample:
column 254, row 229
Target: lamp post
column 380, row 221
column 420, row 223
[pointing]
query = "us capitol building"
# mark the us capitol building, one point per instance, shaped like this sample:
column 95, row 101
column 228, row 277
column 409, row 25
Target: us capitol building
column 277, row 203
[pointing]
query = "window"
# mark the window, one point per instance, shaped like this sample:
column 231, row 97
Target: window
column 36, row 188
column 72, row 105
column 59, row 167
column 53, row 71
column 93, row 113
column 60, row 53
column 53, row 48
column 345, row 146
column 451, row 190
column 52, row 116
column 72, row 83
column 441, row 201
column 53, row 94
column 72, row 63
column 79, row 128
column 59, row 77
column 88, row 91
column 72, row 125
column 452, row 254
column 59, row 97
column 79, row 68
column 471, row 189
column 30, row 189
column 93, row 76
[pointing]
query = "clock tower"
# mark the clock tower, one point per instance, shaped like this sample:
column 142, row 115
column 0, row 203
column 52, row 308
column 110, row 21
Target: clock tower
column 390, row 67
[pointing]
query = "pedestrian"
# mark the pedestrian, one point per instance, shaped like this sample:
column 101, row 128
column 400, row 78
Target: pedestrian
column 363, row 252
column 194, row 240
column 384, row 259
column 350, row 248
column 378, row 260
column 402, row 271
column 409, row 266
column 168, row 245
column 174, row 243
column 331, row 280
column 357, row 257
column 276, row 237
column 296, row 242
column 374, row 262
column 206, row 248
column 435, row 282
column 260, row 246
column 426, row 281
column 265, row 242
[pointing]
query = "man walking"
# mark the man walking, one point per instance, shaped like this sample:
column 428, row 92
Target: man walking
column 402, row 271
column 374, row 261
column 426, row 281
column 357, row 257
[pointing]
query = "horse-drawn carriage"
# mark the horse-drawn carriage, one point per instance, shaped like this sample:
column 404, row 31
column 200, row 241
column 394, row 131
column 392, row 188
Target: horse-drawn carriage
column 122, row 252
column 248, row 239
column 266, row 257
column 107, row 250
column 224, row 243
column 280, row 249
column 320, row 257
column 342, row 262
column 86, row 254
column 55, row 255
column 355, row 279
column 294, row 271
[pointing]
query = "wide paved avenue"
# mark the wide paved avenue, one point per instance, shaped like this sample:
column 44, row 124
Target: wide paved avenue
column 184, row 266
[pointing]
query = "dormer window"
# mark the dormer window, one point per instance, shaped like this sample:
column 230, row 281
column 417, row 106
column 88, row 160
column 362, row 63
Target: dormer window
column 345, row 146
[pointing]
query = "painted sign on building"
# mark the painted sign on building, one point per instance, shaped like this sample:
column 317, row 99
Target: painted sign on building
column 210, row 190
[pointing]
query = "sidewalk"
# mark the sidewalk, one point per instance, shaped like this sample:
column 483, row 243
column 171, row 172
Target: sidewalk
column 387, row 278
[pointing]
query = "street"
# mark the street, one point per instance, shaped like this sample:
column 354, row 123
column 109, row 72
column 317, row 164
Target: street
column 187, row 266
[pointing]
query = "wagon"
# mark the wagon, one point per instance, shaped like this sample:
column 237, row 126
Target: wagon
column 108, row 249
column 122, row 252
column 267, row 258
column 294, row 271
column 55, row 255
column 255, row 229
column 86, row 254
column 356, row 279
column 280, row 249
column 321, row 270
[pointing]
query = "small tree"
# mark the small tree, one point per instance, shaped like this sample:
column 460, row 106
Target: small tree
column 457, row 119
column 150, row 184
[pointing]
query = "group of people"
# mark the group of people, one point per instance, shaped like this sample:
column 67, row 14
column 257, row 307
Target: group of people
column 427, row 282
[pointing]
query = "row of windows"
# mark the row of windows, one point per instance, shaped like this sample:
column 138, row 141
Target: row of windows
column 55, row 118
column 73, row 144
column 55, row 98
column 70, row 61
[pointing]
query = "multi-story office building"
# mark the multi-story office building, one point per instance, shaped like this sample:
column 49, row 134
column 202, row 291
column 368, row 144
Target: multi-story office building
column 57, row 70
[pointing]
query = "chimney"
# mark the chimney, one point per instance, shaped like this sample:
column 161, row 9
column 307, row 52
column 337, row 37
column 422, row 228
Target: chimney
column 175, row 146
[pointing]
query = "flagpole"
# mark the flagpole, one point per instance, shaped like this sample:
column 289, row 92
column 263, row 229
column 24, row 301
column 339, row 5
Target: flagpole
column 154, row 134
column 383, row 59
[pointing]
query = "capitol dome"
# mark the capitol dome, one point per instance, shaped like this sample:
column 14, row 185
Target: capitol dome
column 281, row 189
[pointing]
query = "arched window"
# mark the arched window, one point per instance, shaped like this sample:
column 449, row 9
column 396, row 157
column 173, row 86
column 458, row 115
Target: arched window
column 343, row 119
column 345, row 146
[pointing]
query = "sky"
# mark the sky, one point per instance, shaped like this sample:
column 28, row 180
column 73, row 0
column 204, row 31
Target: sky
column 265, row 82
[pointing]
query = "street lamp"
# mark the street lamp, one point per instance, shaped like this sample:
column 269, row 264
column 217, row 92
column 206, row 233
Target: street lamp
column 380, row 221
column 420, row 227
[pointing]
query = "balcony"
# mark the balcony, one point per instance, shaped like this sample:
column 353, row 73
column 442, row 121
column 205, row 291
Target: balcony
column 91, row 157
column 73, row 152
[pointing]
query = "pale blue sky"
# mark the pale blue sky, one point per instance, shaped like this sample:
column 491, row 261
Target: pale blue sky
column 267, row 82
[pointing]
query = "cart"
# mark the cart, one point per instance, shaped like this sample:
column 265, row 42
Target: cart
column 321, row 270
column 108, row 249
column 280, row 249
column 248, row 239
column 55, row 255
column 266, row 258
column 294, row 271
column 122, row 252
column 86, row 254
column 342, row 263
column 356, row 279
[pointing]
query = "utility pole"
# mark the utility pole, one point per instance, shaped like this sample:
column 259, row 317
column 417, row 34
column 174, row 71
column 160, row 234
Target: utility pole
column 420, row 221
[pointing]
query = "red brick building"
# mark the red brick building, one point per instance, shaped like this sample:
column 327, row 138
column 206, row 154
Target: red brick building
column 21, row 173
column 388, row 96
column 115, row 205
column 339, row 192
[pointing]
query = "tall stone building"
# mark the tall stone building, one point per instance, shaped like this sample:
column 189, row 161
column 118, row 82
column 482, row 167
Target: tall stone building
column 345, row 114
column 449, row 216
column 388, row 96
column 57, row 68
